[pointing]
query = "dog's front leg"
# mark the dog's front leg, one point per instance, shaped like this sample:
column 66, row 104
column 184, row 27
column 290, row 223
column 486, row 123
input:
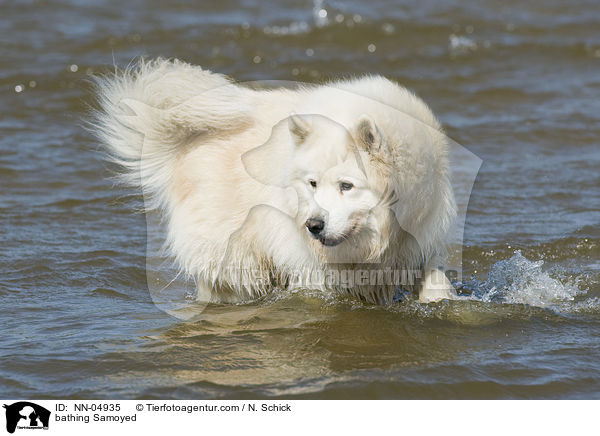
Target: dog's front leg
column 436, row 287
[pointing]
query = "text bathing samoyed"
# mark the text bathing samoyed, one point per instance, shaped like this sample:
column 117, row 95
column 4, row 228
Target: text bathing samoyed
column 342, row 187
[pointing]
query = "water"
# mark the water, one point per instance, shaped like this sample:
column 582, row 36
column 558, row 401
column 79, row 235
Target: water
column 519, row 87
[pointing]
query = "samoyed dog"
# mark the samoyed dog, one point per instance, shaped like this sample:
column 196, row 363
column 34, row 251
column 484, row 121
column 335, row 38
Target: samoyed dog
column 342, row 187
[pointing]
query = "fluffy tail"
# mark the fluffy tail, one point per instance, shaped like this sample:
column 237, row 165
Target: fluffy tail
column 151, row 110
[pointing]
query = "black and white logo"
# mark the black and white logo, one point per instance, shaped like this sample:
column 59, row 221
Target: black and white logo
column 26, row 415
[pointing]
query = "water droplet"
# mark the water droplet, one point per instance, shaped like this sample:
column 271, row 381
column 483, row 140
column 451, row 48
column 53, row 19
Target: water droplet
column 295, row 71
column 319, row 13
column 245, row 25
column 257, row 59
column 19, row 88
column 339, row 18
column 32, row 84
column 371, row 48
column 461, row 44
column 357, row 18
column 73, row 68
column 310, row 52
column 388, row 28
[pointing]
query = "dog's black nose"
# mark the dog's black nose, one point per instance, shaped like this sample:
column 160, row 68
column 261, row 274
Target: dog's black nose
column 315, row 225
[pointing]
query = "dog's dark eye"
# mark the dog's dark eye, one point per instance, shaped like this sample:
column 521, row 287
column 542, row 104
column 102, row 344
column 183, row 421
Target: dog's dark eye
column 345, row 186
column 312, row 183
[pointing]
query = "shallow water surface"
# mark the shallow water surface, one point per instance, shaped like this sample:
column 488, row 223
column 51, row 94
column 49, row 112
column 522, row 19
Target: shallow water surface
column 517, row 86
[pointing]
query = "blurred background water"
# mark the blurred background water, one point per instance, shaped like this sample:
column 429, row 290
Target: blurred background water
column 516, row 83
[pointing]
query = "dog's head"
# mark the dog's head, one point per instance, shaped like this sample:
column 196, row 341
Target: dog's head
column 337, row 185
column 363, row 183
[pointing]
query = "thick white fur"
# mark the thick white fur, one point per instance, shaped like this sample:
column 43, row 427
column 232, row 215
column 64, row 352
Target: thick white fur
column 217, row 158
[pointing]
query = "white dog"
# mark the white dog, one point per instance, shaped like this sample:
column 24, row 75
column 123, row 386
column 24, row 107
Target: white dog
column 340, row 187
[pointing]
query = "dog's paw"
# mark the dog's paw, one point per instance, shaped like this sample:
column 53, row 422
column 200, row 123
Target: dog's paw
column 436, row 287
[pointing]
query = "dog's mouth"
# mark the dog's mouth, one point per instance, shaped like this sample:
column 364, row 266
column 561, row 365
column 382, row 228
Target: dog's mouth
column 331, row 242
column 337, row 240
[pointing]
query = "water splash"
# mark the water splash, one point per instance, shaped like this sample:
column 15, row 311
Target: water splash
column 521, row 281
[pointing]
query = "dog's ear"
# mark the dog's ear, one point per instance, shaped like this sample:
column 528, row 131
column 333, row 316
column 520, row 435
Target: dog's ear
column 368, row 134
column 299, row 127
